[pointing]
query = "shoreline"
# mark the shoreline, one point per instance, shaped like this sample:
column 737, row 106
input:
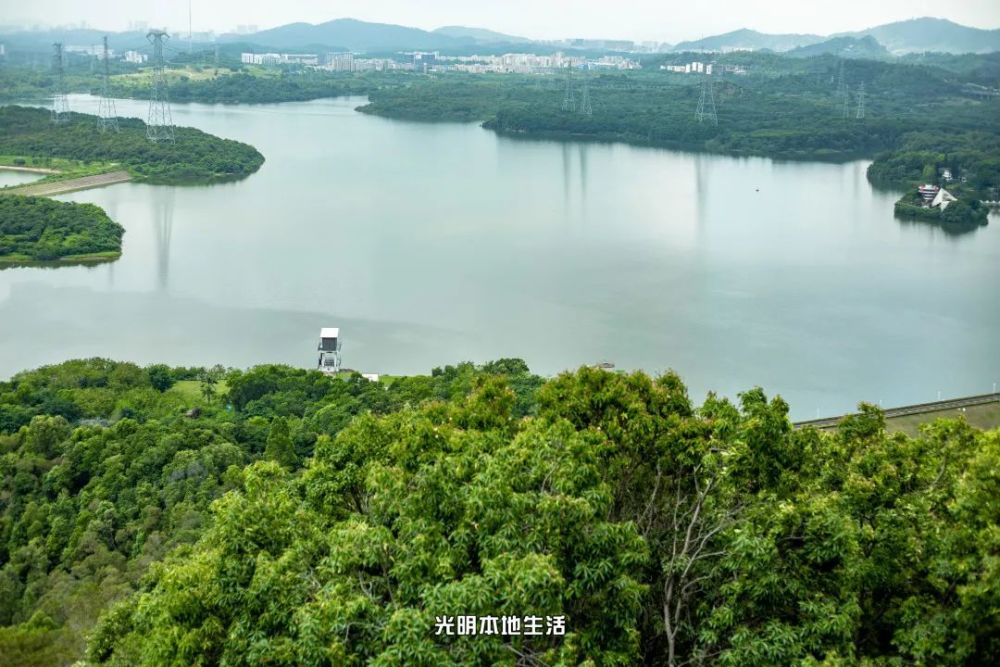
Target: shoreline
column 50, row 188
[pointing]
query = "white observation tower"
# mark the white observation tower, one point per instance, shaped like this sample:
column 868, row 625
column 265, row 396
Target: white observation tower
column 329, row 350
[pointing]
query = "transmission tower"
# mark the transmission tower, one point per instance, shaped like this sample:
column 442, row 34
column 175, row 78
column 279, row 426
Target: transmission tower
column 843, row 93
column 706, row 102
column 569, row 101
column 159, row 125
column 860, row 113
column 60, row 104
column 107, row 116
column 585, row 106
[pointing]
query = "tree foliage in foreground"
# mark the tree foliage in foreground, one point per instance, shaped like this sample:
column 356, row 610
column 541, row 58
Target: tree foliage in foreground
column 302, row 519
column 42, row 229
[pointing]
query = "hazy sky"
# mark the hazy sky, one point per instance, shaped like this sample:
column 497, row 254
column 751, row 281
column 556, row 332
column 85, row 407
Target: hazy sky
column 667, row 20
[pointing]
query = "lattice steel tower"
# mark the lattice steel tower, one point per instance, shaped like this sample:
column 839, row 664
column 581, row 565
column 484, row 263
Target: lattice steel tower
column 843, row 93
column 586, row 108
column 60, row 104
column 569, row 100
column 860, row 113
column 159, row 125
column 706, row 102
column 107, row 116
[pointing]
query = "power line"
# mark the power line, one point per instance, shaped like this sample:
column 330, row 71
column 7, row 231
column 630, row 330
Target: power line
column 107, row 116
column 159, row 125
column 60, row 103
column 860, row 113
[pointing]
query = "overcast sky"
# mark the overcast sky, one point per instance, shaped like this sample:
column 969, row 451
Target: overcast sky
column 666, row 20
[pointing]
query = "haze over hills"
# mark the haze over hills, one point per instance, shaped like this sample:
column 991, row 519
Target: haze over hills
column 900, row 37
column 932, row 34
column 915, row 35
column 350, row 34
column 748, row 39
column 844, row 47
column 479, row 35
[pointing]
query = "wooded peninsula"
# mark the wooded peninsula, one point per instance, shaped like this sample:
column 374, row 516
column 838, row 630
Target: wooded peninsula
column 194, row 157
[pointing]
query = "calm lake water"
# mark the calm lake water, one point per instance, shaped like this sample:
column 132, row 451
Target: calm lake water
column 12, row 177
column 433, row 244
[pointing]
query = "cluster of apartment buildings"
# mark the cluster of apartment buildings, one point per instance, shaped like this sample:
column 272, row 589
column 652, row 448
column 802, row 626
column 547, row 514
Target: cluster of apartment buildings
column 529, row 63
column 697, row 67
column 433, row 61
column 279, row 59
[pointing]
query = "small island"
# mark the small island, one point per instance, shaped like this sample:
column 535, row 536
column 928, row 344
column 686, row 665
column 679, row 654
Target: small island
column 36, row 229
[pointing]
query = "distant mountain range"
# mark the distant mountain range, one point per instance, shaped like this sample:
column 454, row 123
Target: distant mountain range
column 349, row 34
column 748, row 39
column 480, row 35
column 844, row 47
column 915, row 35
column 927, row 34
column 912, row 36
column 355, row 35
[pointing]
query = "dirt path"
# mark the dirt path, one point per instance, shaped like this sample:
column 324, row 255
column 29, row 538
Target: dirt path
column 69, row 185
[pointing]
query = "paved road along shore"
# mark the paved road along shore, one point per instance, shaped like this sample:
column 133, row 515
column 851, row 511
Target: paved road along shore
column 917, row 409
column 69, row 185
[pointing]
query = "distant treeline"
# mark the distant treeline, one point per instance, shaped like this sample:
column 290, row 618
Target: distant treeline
column 246, row 88
column 195, row 156
column 39, row 229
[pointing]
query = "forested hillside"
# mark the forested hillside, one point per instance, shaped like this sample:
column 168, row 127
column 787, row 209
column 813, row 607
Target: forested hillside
column 279, row 516
column 195, row 156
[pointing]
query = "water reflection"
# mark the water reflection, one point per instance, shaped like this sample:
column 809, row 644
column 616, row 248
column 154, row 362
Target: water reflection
column 565, row 166
column 163, row 225
column 950, row 230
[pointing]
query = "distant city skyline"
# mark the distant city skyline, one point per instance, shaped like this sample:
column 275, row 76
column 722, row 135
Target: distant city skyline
column 638, row 20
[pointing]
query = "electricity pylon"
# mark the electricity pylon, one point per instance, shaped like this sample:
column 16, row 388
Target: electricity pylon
column 107, row 116
column 860, row 113
column 60, row 104
column 843, row 93
column 159, row 125
column 586, row 108
column 706, row 102
column 569, row 101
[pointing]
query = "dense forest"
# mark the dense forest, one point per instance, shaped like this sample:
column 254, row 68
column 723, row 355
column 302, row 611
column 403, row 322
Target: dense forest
column 279, row 516
column 195, row 156
column 39, row 229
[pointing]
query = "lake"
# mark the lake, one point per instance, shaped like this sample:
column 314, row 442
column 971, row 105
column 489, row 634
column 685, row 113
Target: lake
column 14, row 177
column 433, row 244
